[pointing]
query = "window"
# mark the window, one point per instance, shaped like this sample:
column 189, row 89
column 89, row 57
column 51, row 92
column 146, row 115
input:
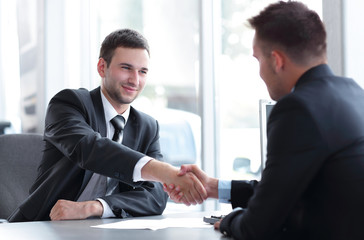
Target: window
column 172, row 94
column 239, row 89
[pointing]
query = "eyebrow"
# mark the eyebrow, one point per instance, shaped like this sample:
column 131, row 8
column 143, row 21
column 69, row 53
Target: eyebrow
column 129, row 65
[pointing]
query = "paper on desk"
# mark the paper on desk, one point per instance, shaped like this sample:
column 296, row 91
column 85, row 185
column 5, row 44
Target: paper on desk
column 155, row 224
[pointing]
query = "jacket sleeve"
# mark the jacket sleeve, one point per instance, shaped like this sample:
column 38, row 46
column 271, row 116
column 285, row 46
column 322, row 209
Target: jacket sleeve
column 241, row 192
column 72, row 127
column 147, row 199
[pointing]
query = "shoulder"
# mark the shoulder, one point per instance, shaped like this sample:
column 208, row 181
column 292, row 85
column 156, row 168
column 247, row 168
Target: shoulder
column 73, row 93
column 79, row 96
column 81, row 100
column 141, row 117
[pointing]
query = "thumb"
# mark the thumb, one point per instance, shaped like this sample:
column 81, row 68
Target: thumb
column 184, row 169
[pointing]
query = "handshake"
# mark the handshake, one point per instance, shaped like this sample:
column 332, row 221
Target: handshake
column 188, row 185
column 192, row 186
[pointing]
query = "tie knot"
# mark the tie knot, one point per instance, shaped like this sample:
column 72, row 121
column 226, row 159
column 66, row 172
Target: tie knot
column 118, row 122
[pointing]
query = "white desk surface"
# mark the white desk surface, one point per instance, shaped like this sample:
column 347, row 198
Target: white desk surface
column 84, row 229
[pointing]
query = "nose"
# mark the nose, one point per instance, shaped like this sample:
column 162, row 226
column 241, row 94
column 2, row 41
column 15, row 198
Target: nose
column 134, row 77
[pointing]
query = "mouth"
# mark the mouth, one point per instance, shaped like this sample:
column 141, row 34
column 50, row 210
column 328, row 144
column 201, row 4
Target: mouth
column 129, row 89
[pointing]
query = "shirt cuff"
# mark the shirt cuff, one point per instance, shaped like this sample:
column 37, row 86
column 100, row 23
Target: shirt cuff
column 224, row 191
column 137, row 173
column 107, row 212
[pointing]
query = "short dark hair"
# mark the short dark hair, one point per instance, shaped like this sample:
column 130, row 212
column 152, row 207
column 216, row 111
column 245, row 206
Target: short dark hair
column 293, row 27
column 127, row 38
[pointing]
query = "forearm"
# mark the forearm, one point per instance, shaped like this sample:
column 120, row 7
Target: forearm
column 212, row 188
column 158, row 171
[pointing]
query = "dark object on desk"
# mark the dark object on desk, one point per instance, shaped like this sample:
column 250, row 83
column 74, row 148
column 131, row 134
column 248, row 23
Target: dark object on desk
column 212, row 219
column 20, row 155
column 4, row 125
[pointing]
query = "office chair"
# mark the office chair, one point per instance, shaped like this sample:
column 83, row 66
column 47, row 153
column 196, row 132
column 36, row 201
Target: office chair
column 20, row 155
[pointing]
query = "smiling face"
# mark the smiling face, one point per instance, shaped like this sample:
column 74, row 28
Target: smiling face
column 125, row 76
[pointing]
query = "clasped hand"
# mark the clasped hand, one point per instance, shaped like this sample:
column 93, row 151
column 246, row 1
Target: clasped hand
column 178, row 194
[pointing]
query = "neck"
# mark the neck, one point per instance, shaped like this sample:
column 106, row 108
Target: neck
column 119, row 108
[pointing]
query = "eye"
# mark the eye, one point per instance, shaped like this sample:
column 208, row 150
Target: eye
column 143, row 72
column 126, row 67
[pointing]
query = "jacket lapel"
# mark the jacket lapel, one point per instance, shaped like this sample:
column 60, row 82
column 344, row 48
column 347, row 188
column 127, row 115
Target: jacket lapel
column 99, row 111
column 100, row 127
column 131, row 130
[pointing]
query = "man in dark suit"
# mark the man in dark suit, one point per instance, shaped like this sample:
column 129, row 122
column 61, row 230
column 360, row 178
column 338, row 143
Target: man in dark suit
column 81, row 163
column 313, row 184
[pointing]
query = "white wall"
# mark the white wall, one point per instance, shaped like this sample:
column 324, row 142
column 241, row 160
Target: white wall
column 353, row 40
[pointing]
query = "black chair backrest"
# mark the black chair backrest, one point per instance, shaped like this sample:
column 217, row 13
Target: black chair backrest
column 20, row 155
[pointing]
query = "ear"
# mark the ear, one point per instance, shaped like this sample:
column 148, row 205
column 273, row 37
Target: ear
column 279, row 60
column 101, row 66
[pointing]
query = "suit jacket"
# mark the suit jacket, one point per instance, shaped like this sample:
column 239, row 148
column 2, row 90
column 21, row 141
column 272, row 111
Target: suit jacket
column 76, row 146
column 313, row 183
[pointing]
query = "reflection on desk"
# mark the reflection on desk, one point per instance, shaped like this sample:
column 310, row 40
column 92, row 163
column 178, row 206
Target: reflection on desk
column 95, row 229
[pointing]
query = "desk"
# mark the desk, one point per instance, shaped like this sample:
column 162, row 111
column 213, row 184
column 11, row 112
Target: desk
column 82, row 229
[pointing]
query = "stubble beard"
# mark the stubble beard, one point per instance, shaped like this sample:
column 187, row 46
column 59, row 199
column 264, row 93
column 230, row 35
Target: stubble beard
column 119, row 98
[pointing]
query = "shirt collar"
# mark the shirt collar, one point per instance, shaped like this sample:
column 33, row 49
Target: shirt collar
column 110, row 111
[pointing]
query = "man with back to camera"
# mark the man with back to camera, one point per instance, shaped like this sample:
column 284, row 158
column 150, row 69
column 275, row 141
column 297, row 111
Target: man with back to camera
column 313, row 184
column 84, row 173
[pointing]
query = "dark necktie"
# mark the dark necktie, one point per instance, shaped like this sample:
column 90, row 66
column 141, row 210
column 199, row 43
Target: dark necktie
column 118, row 122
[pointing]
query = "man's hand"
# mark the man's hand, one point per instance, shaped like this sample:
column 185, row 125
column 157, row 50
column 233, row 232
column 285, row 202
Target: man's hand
column 69, row 210
column 209, row 183
column 217, row 225
column 188, row 184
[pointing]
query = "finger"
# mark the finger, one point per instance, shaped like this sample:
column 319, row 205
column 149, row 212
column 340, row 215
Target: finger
column 173, row 191
column 188, row 198
column 190, row 192
column 199, row 191
column 167, row 188
column 198, row 172
column 175, row 195
column 53, row 213
column 178, row 197
column 217, row 225
column 185, row 202
column 182, row 171
column 195, row 197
